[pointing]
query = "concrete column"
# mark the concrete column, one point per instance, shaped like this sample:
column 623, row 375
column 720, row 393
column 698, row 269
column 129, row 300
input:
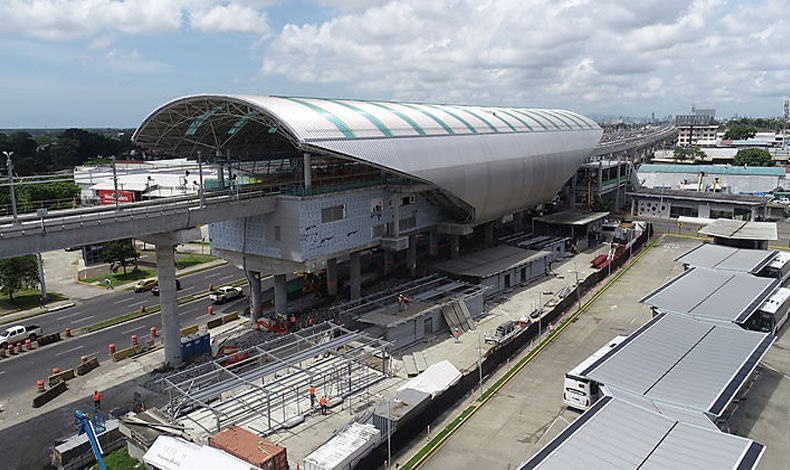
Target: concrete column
column 633, row 205
column 454, row 246
column 256, row 300
column 168, row 300
column 617, row 188
column 433, row 244
column 356, row 275
column 280, row 294
column 387, row 262
column 518, row 219
column 489, row 228
column 308, row 173
column 574, row 180
column 411, row 256
column 600, row 174
column 331, row 276
column 395, row 217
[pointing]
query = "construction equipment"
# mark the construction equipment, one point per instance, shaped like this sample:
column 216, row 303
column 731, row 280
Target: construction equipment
column 92, row 427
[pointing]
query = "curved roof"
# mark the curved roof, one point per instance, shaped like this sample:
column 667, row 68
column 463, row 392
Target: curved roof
column 495, row 159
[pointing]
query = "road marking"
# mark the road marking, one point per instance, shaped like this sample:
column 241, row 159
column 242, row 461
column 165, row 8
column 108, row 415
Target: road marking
column 69, row 350
column 2, row 372
column 133, row 329
column 120, row 301
column 213, row 276
column 70, row 315
column 83, row 319
column 136, row 303
column 225, row 277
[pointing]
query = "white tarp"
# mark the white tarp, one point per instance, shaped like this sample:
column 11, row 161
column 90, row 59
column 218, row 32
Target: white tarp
column 435, row 380
column 345, row 449
column 171, row 453
column 210, row 458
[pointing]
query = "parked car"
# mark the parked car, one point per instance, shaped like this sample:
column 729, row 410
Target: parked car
column 18, row 334
column 225, row 294
column 146, row 285
column 155, row 289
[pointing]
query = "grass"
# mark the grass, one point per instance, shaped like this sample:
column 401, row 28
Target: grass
column 120, row 460
column 191, row 259
column 120, row 278
column 27, row 299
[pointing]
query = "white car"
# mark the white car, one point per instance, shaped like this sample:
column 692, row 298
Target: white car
column 18, row 334
column 225, row 294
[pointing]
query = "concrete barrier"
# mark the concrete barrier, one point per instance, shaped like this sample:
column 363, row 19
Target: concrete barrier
column 214, row 323
column 86, row 367
column 48, row 339
column 62, row 376
column 49, row 395
column 122, row 354
column 230, row 317
column 190, row 330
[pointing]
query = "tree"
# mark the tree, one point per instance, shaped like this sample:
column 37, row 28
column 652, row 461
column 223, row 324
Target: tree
column 682, row 154
column 739, row 132
column 120, row 253
column 753, row 157
column 17, row 274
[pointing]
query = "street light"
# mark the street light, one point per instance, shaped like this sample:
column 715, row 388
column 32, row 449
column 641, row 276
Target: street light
column 10, row 165
column 389, row 430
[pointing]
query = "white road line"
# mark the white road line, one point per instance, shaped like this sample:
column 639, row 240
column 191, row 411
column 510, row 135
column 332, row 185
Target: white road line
column 120, row 301
column 69, row 350
column 83, row 319
column 2, row 372
column 136, row 303
column 212, row 276
column 133, row 329
column 226, row 277
column 70, row 315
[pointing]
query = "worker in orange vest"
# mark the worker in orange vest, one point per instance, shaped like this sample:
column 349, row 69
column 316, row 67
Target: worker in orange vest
column 323, row 404
column 310, row 321
column 97, row 399
column 311, row 390
column 293, row 321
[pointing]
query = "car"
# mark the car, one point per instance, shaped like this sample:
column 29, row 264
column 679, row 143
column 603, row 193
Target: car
column 146, row 285
column 18, row 334
column 535, row 314
column 225, row 294
column 155, row 289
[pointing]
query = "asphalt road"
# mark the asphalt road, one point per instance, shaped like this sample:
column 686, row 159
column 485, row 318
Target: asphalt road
column 22, row 371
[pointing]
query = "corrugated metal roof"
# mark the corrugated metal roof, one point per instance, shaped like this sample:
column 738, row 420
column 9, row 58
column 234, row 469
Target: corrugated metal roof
column 683, row 362
column 343, row 445
column 727, row 258
column 617, row 435
column 571, row 217
column 713, row 295
column 712, row 169
column 740, row 230
column 490, row 262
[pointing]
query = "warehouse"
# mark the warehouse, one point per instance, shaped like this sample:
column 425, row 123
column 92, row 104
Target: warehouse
column 672, row 204
column 719, row 178
column 583, row 228
column 740, row 234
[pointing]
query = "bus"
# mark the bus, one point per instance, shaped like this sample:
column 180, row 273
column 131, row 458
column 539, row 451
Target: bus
column 580, row 392
column 772, row 314
column 779, row 268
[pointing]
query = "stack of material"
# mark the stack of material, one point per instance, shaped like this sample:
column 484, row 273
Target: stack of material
column 401, row 409
column 251, row 448
column 435, row 380
column 345, row 449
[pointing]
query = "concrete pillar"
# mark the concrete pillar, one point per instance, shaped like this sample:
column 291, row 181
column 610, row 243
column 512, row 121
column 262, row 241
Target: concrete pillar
column 411, row 256
column 168, row 300
column 574, row 181
column 356, row 275
column 395, row 217
column 454, row 246
column 633, row 206
column 518, row 219
column 308, row 173
column 331, row 276
column 256, row 296
column 489, row 228
column 280, row 294
column 617, row 188
column 433, row 244
column 387, row 262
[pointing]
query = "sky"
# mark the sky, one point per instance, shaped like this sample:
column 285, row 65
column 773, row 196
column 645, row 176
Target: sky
column 109, row 63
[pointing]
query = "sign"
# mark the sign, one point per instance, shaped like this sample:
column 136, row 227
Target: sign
column 107, row 196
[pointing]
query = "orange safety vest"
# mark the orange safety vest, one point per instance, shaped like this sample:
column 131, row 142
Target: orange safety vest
column 312, row 390
column 323, row 401
column 293, row 319
column 96, row 396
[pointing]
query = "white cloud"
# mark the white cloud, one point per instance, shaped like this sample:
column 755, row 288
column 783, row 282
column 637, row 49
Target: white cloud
column 604, row 55
column 231, row 18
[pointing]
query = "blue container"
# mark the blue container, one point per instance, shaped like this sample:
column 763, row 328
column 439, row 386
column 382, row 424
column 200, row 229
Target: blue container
column 205, row 344
column 187, row 349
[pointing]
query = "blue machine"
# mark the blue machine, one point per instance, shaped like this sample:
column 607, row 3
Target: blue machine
column 91, row 427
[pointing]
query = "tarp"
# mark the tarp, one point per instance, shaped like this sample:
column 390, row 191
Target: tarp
column 435, row 380
column 171, row 453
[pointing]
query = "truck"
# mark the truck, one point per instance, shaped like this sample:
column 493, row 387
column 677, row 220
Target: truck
column 18, row 334
column 581, row 392
column 225, row 294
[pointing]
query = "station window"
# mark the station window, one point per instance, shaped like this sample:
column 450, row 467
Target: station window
column 331, row 214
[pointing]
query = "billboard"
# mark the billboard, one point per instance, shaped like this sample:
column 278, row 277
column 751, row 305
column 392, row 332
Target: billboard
column 107, row 196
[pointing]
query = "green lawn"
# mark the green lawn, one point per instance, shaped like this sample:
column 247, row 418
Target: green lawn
column 26, row 299
column 120, row 460
column 191, row 259
column 121, row 278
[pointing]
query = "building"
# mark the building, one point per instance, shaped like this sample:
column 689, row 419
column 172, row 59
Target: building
column 710, row 178
column 697, row 129
column 602, row 180
column 741, row 234
column 672, row 204
column 583, row 228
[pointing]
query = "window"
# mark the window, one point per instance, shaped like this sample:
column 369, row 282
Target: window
column 377, row 231
column 331, row 214
column 428, row 327
column 719, row 214
column 677, row 211
column 407, row 201
column 376, row 205
column 408, row 223
column 523, row 274
column 507, row 280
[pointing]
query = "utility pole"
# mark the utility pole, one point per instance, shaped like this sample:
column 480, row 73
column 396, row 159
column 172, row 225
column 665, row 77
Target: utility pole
column 200, row 188
column 10, row 165
column 784, row 125
column 115, row 182
column 480, row 365
column 42, row 282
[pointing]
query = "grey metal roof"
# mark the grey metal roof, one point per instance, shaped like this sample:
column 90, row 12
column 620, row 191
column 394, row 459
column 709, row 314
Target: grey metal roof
column 617, row 435
column 740, row 230
column 702, row 196
column 491, row 261
column 726, row 258
column 683, row 362
column 714, row 295
column 495, row 159
column 686, row 415
column 571, row 217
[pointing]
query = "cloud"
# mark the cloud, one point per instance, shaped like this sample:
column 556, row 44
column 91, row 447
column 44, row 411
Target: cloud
column 231, row 18
column 601, row 55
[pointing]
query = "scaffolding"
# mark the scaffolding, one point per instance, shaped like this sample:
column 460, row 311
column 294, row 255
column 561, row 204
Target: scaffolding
column 265, row 387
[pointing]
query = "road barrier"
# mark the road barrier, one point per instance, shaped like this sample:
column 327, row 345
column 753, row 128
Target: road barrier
column 230, row 317
column 50, row 394
column 211, row 310
column 124, row 353
column 2, row 353
column 55, row 379
column 153, row 332
column 48, row 339
column 40, row 386
column 134, row 340
column 55, row 370
column 87, row 366
column 68, row 332
column 190, row 330
column 213, row 323
column 112, row 349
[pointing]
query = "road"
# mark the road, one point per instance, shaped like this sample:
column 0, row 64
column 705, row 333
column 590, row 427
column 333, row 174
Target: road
column 22, row 371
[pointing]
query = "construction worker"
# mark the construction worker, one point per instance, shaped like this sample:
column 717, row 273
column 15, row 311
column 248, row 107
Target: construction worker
column 311, row 391
column 310, row 321
column 97, row 399
column 323, row 404
column 293, row 321
column 457, row 335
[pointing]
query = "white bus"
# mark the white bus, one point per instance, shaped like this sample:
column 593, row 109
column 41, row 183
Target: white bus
column 772, row 314
column 580, row 392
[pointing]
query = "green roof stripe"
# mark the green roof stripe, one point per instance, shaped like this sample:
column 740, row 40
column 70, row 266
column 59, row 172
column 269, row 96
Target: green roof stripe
column 558, row 116
column 544, row 116
column 373, row 119
column 408, row 120
column 478, row 117
column 195, row 125
column 493, row 113
column 468, row 126
column 577, row 120
column 540, row 123
column 329, row 116
column 436, row 119
column 517, row 119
